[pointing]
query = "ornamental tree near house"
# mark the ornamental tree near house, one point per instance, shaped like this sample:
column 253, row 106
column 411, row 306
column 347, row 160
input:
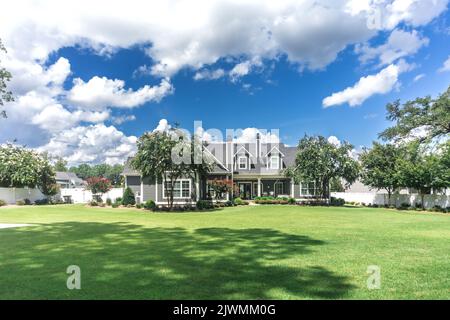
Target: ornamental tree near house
column 168, row 156
column 321, row 161
column 381, row 167
column 98, row 186
column 220, row 187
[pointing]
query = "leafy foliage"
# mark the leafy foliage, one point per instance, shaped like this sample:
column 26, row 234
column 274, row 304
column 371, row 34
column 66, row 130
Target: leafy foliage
column 112, row 173
column 321, row 161
column 381, row 167
column 220, row 187
column 150, row 205
column 60, row 165
column 431, row 116
column 128, row 197
column 98, row 185
column 20, row 168
column 5, row 76
column 423, row 171
column 170, row 155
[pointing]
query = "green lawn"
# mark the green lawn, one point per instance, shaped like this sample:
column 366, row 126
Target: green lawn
column 258, row 252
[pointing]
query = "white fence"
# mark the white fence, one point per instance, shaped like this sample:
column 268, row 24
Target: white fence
column 11, row 195
column 396, row 199
column 77, row 195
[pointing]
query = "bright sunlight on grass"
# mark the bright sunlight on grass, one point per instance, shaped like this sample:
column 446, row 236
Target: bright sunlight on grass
column 256, row 252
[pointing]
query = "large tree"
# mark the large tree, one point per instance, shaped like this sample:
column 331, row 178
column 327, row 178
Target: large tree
column 320, row 161
column 381, row 167
column 423, row 118
column 5, row 76
column 169, row 156
column 20, row 168
column 424, row 171
column 60, row 165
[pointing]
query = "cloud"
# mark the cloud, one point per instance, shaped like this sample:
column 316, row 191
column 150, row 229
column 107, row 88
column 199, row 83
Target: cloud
column 380, row 83
column 209, row 74
column 399, row 44
column 92, row 144
column 310, row 33
column 334, row 141
column 248, row 135
column 418, row 77
column 446, row 66
column 123, row 119
column 99, row 93
column 387, row 14
column 163, row 126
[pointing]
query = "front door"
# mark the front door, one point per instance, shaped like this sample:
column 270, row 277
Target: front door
column 245, row 190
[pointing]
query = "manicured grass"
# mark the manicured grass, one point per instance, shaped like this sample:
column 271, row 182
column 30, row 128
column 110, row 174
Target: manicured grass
column 256, row 252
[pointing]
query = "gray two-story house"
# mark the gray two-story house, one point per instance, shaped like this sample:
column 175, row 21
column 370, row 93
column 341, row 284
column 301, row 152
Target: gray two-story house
column 254, row 169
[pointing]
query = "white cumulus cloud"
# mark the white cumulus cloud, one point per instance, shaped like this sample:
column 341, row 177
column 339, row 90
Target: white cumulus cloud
column 446, row 66
column 380, row 83
column 99, row 93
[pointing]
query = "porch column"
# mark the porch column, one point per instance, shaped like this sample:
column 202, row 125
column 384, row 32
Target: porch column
column 259, row 187
column 197, row 187
column 292, row 188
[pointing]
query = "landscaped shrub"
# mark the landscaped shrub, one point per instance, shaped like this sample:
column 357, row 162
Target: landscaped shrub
column 238, row 202
column 101, row 204
column 128, row 197
column 93, row 203
column 20, row 202
column 115, row 205
column 108, row 201
column 404, row 206
column 337, row 202
column 130, row 205
column 138, row 206
column 27, row 202
column 41, row 202
column 292, row 201
column 204, row 204
column 229, row 203
column 150, row 205
column 119, row 200
column 2, row 203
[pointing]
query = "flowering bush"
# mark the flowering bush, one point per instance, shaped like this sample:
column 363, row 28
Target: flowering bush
column 220, row 187
column 98, row 185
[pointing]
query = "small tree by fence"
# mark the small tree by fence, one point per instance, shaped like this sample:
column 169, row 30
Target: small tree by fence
column 98, row 186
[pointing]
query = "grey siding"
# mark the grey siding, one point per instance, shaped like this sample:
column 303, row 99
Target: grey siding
column 134, row 183
column 149, row 189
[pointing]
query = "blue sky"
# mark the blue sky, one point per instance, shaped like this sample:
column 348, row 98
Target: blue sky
column 278, row 82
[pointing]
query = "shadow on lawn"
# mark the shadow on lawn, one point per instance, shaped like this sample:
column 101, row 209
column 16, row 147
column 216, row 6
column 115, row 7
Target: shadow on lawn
column 124, row 261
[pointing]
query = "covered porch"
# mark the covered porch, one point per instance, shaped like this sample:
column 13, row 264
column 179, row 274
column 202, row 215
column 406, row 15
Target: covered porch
column 250, row 188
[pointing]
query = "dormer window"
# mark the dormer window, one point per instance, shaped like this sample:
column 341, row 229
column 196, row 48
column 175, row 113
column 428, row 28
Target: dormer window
column 242, row 162
column 274, row 162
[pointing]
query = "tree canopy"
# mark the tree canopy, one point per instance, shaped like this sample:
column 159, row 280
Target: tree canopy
column 320, row 161
column 111, row 172
column 5, row 76
column 381, row 167
column 20, row 168
column 423, row 118
column 169, row 156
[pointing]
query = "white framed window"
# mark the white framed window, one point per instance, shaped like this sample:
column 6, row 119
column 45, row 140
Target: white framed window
column 308, row 188
column 274, row 162
column 242, row 163
column 182, row 189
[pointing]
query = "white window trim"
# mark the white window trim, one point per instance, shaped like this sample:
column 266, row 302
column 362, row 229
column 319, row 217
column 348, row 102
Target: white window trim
column 314, row 189
column 239, row 163
column 181, row 189
column 275, row 187
column 271, row 162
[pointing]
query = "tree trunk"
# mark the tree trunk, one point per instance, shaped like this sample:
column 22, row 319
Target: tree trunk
column 422, row 196
column 389, row 197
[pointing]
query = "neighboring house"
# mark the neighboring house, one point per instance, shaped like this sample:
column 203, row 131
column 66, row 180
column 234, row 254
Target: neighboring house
column 68, row 180
column 255, row 169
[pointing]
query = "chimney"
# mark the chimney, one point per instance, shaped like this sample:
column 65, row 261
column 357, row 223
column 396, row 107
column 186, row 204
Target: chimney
column 258, row 145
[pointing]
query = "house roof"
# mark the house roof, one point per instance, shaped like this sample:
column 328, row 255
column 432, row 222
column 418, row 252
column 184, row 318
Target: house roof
column 69, row 176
